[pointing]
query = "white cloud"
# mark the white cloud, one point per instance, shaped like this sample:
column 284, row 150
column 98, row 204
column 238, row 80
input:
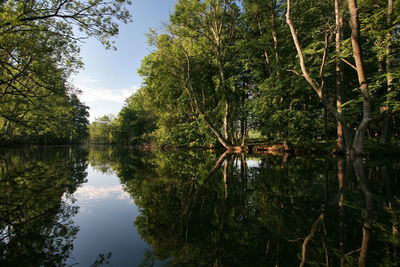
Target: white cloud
column 85, row 80
column 90, row 95
column 89, row 192
column 92, row 91
column 101, row 100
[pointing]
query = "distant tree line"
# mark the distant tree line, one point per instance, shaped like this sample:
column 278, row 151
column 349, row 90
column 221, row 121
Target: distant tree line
column 39, row 49
column 295, row 71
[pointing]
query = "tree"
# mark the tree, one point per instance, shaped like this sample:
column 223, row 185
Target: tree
column 39, row 49
column 218, row 72
column 79, row 120
column 357, row 53
column 102, row 130
column 213, row 25
column 133, row 122
column 357, row 142
column 281, row 107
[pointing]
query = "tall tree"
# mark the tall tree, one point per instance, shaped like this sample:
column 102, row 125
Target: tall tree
column 199, row 29
column 352, row 144
column 339, row 70
column 39, row 49
column 357, row 54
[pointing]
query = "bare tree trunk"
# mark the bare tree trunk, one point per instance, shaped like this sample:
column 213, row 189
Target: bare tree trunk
column 389, row 76
column 221, row 139
column 243, row 134
column 339, row 73
column 226, row 121
column 245, row 114
column 186, row 83
column 346, row 131
column 225, row 90
column 358, row 144
column 362, row 261
column 220, row 61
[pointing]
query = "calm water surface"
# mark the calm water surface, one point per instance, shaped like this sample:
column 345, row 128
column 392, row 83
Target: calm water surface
column 105, row 218
column 113, row 207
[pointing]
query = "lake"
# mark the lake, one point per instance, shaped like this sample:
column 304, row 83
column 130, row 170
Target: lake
column 77, row 206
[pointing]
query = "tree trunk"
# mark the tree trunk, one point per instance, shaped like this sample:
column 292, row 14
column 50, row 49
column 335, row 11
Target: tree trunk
column 225, row 90
column 186, row 84
column 220, row 138
column 226, row 121
column 379, row 44
column 339, row 73
column 348, row 139
column 366, row 229
column 385, row 129
column 358, row 144
column 190, row 92
column 243, row 132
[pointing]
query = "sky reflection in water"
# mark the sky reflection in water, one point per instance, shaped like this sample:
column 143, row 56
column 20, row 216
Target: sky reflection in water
column 106, row 216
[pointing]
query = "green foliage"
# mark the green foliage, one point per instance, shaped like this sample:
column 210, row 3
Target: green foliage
column 219, row 71
column 38, row 51
column 130, row 127
column 102, row 129
column 194, row 74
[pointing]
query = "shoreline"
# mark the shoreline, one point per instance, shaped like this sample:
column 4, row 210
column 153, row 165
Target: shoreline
column 253, row 148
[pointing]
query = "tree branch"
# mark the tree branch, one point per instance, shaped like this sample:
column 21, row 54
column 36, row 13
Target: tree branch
column 348, row 63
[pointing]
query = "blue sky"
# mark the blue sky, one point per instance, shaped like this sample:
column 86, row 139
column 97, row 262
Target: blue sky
column 109, row 77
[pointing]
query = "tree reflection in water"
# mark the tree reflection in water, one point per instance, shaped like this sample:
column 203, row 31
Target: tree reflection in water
column 199, row 208
column 36, row 227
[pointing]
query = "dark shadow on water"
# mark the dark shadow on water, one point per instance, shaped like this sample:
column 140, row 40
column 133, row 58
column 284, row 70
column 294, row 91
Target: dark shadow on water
column 36, row 227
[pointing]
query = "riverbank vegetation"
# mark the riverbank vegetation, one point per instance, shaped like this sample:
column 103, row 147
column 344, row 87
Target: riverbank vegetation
column 299, row 71
column 39, row 49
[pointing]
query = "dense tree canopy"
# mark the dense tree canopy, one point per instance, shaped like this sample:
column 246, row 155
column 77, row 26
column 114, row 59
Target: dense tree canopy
column 39, row 49
column 315, row 72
